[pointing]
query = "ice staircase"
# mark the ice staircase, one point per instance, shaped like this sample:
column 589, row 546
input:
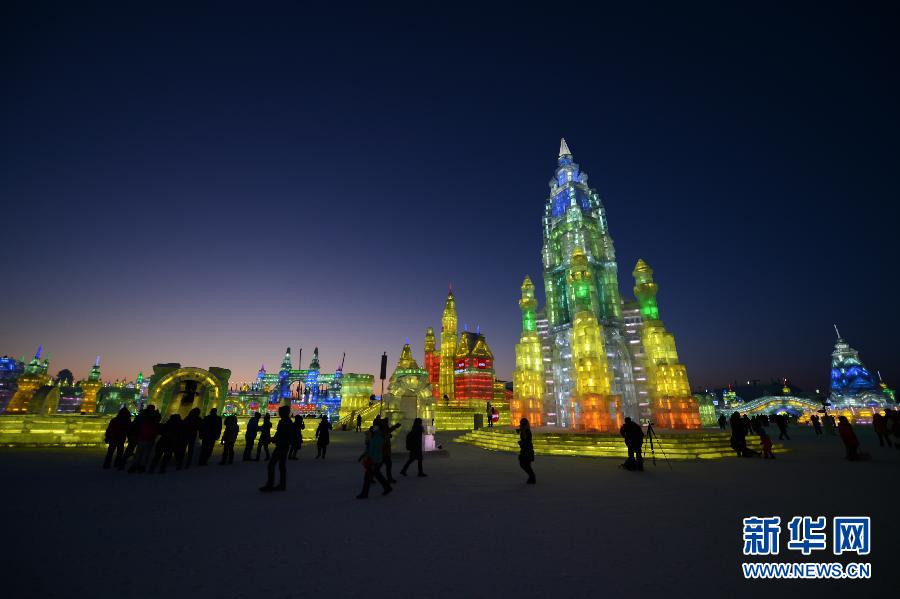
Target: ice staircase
column 679, row 445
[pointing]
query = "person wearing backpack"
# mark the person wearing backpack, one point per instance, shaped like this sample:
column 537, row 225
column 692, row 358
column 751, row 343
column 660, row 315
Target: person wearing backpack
column 414, row 446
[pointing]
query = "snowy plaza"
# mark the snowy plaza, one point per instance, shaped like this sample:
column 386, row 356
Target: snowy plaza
column 470, row 529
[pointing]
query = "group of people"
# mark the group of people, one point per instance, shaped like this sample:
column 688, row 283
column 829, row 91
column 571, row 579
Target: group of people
column 149, row 443
column 884, row 426
column 378, row 453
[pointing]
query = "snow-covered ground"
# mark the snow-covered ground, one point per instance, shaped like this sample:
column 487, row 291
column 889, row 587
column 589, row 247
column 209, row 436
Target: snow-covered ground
column 471, row 529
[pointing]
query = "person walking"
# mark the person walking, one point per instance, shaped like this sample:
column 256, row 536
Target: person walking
column 323, row 437
column 229, row 438
column 116, row 433
column 848, row 437
column 828, row 424
column 634, row 440
column 526, row 450
column 297, row 440
column 146, row 439
column 283, row 436
column 387, row 455
column 358, row 422
column 739, row 437
column 723, row 422
column 371, row 460
column 817, row 424
column 134, row 431
column 265, row 437
column 210, row 431
column 414, row 446
column 880, row 426
column 250, row 436
column 894, row 426
column 765, row 442
column 781, row 422
column 190, row 429
column 165, row 446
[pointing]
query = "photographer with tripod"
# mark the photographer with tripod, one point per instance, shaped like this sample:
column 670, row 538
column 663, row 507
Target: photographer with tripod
column 634, row 439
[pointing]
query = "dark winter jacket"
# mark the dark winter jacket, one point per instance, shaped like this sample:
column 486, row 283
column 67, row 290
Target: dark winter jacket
column 633, row 434
column 211, row 427
column 526, row 448
column 252, row 428
column 231, row 430
column 323, row 433
column 284, row 434
column 117, row 430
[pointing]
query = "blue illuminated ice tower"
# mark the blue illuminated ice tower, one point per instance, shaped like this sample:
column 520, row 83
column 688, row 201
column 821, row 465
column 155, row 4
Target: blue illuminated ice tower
column 852, row 384
column 574, row 222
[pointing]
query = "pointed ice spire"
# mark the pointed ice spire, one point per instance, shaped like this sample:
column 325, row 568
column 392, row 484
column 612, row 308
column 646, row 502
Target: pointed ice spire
column 37, row 354
column 97, row 361
column 837, row 331
column 564, row 148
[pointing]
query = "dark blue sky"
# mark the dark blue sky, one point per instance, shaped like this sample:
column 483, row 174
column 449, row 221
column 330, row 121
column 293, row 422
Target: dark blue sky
column 209, row 187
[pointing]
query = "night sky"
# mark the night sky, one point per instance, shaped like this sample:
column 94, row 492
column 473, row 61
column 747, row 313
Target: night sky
column 208, row 188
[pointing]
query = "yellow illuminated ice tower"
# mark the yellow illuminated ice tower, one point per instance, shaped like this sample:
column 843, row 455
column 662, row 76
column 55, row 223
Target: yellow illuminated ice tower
column 528, row 383
column 671, row 402
column 592, row 406
column 90, row 388
column 448, row 348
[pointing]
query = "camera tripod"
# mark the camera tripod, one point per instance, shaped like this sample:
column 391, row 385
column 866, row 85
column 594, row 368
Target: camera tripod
column 651, row 434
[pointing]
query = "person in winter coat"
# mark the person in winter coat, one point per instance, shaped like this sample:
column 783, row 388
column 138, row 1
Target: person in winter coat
column 165, row 446
column 526, row 450
column 210, row 431
column 187, row 439
column 848, row 437
column 371, row 461
column 766, row 442
column 414, row 446
column 817, row 424
column 323, row 437
column 283, row 437
column 386, row 459
column 781, row 422
column 229, row 438
column 116, row 433
column 265, row 437
column 634, row 440
column 739, row 437
column 723, row 422
column 134, row 431
column 894, row 426
column 880, row 426
column 250, row 436
column 146, row 439
column 297, row 441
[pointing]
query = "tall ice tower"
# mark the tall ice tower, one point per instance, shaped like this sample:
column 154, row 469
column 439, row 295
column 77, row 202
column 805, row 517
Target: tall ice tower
column 671, row 402
column 575, row 222
column 448, row 348
column 528, row 378
column 90, row 388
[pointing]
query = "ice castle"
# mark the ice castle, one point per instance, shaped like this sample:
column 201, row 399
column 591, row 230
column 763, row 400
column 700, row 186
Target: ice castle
column 588, row 358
